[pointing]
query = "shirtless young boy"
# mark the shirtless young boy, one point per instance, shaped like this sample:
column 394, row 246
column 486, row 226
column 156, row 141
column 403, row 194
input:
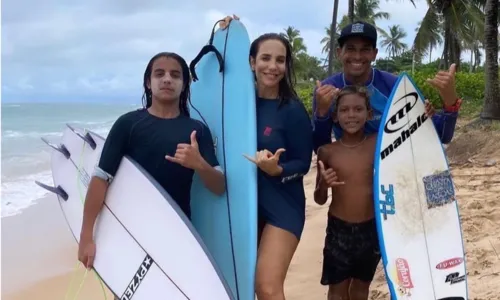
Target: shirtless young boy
column 351, row 252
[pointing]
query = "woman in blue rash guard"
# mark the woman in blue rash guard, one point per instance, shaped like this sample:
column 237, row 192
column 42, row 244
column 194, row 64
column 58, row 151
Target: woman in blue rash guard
column 284, row 141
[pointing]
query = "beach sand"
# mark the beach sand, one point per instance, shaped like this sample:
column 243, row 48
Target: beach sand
column 33, row 271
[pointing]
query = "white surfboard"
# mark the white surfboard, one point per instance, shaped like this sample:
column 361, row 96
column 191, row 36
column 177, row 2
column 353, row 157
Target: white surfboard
column 146, row 246
column 417, row 213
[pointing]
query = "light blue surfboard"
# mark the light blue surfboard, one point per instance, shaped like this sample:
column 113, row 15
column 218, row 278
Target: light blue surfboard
column 224, row 99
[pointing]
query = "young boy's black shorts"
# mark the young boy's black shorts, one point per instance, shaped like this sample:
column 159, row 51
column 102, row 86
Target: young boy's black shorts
column 351, row 251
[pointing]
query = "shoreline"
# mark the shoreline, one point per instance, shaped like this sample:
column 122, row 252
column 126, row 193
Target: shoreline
column 37, row 240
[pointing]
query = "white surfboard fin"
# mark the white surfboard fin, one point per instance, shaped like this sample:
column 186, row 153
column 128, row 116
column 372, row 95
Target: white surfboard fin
column 87, row 138
column 56, row 190
column 61, row 148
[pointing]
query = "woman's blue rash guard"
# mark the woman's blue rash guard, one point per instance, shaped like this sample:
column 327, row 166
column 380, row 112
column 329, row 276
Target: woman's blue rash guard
column 380, row 87
column 282, row 198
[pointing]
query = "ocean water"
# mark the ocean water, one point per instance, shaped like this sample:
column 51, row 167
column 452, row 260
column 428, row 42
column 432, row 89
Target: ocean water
column 25, row 158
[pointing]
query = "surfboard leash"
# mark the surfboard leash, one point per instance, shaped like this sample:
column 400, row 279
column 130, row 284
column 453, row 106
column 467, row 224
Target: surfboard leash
column 78, row 263
column 192, row 66
column 73, row 279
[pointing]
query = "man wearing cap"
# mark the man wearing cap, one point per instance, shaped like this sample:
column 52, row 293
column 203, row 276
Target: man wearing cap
column 357, row 49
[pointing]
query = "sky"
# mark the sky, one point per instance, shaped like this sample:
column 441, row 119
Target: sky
column 94, row 50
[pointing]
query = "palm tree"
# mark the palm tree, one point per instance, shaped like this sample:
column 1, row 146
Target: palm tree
column 331, row 41
column 392, row 41
column 326, row 42
column 456, row 19
column 434, row 38
column 350, row 11
column 368, row 11
column 365, row 10
column 474, row 44
column 296, row 41
column 491, row 108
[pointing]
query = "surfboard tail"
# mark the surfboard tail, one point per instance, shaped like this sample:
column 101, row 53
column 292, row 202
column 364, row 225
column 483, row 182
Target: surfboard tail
column 59, row 148
column 86, row 137
column 59, row 191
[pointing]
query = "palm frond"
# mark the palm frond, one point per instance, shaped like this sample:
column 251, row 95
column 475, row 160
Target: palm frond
column 429, row 32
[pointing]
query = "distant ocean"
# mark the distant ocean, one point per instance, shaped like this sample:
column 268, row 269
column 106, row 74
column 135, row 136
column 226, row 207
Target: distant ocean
column 25, row 158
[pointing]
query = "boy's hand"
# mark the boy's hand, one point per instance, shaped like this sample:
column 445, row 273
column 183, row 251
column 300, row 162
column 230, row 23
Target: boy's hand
column 328, row 176
column 187, row 155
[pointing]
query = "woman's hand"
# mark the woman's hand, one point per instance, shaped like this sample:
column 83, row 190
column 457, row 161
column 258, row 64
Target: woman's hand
column 267, row 161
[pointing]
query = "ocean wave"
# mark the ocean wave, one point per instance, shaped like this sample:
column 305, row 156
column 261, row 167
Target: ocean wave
column 19, row 172
column 23, row 192
column 29, row 134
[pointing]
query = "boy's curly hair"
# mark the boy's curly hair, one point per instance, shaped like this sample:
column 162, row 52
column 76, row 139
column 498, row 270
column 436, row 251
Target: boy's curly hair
column 354, row 89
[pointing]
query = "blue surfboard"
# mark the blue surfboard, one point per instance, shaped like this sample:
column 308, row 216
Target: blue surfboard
column 223, row 97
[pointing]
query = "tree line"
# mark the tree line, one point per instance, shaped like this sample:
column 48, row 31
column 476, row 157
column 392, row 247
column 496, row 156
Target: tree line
column 457, row 26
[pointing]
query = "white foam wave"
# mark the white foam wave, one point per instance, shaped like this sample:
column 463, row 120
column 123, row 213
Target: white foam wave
column 23, row 192
column 20, row 191
column 29, row 134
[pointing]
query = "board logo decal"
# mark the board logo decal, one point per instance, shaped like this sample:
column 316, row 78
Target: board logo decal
column 439, row 189
column 84, row 177
column 402, row 275
column 396, row 120
column 387, row 206
column 137, row 279
column 454, row 277
column 449, row 263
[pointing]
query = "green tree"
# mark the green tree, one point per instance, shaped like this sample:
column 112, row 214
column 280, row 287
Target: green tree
column 456, row 20
column 331, row 41
column 369, row 11
column 433, row 38
column 305, row 66
column 350, row 11
column 393, row 40
column 491, row 108
column 296, row 41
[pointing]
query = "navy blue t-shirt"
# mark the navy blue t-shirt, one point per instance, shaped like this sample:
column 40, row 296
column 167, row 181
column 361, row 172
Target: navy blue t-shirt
column 147, row 139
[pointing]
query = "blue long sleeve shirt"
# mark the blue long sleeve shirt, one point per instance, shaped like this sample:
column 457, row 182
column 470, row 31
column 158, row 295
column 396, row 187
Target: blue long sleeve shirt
column 380, row 85
column 282, row 198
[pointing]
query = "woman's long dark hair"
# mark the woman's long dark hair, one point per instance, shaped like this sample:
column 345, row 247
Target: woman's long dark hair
column 186, row 79
column 286, row 85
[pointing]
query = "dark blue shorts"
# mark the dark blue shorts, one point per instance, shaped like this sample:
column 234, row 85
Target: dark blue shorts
column 284, row 216
column 351, row 251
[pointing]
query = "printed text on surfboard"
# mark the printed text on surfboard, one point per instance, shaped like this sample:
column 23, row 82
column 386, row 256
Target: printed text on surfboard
column 399, row 120
column 138, row 277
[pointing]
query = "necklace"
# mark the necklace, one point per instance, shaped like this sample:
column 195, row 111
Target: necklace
column 353, row 146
